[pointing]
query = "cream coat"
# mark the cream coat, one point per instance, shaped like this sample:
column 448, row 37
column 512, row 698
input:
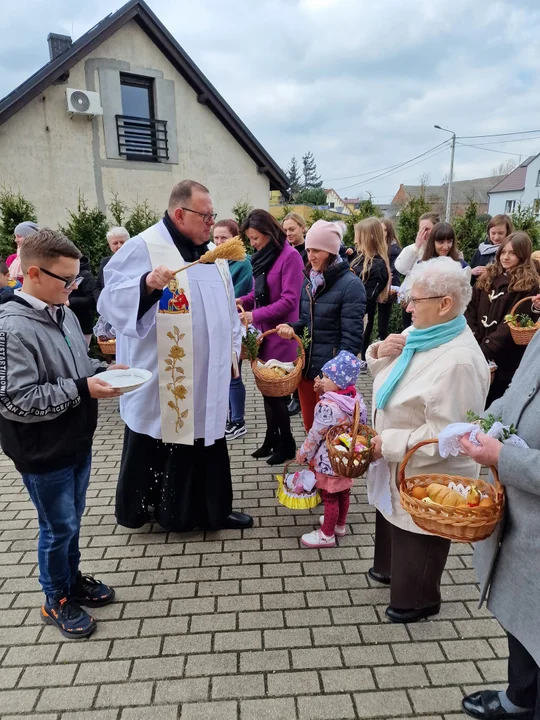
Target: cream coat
column 438, row 388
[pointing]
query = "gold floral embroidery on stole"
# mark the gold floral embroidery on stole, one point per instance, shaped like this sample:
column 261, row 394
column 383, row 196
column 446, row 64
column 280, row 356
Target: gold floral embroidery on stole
column 176, row 388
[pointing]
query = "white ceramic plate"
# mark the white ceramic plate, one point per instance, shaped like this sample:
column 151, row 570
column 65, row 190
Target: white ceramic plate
column 126, row 380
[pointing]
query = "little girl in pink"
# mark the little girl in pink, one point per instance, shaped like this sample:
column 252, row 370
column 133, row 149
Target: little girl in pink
column 336, row 405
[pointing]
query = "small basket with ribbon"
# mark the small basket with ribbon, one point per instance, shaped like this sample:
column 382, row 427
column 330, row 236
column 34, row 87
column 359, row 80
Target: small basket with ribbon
column 297, row 491
column 349, row 446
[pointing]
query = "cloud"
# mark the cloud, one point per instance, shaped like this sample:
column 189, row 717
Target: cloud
column 361, row 84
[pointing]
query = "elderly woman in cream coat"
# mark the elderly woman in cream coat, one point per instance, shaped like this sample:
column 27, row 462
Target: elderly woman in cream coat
column 425, row 378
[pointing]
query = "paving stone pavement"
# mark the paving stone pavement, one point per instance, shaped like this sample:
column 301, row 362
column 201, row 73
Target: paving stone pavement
column 232, row 624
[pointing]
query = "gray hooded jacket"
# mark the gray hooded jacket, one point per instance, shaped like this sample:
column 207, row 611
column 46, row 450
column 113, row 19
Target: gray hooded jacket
column 47, row 418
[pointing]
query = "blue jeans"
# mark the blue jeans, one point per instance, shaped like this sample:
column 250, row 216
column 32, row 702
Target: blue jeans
column 237, row 398
column 60, row 499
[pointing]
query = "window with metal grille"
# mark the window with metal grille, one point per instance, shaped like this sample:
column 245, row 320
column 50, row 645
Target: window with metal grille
column 141, row 136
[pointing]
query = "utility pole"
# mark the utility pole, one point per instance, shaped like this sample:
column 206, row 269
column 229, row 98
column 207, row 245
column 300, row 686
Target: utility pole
column 449, row 192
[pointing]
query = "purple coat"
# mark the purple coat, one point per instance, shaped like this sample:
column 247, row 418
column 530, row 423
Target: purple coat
column 285, row 281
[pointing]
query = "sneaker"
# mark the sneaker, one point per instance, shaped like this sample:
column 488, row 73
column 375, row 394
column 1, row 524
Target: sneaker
column 339, row 530
column 235, row 430
column 363, row 367
column 90, row 592
column 317, row 539
column 69, row 618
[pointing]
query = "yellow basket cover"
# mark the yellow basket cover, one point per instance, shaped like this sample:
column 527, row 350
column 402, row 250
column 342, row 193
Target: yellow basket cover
column 291, row 500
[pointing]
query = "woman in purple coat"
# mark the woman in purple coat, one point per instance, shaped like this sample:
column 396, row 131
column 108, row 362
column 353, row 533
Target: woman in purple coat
column 275, row 299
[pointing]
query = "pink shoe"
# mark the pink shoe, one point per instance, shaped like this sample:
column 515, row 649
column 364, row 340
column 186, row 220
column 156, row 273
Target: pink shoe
column 317, row 539
column 340, row 530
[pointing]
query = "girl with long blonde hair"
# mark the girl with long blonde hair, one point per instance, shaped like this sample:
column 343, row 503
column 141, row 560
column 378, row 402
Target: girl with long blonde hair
column 372, row 267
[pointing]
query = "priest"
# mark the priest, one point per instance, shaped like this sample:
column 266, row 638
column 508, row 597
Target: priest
column 175, row 460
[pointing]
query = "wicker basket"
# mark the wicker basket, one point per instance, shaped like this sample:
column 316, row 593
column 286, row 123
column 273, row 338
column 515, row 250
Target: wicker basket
column 461, row 524
column 291, row 500
column 522, row 336
column 107, row 347
column 350, row 464
column 243, row 351
column 280, row 387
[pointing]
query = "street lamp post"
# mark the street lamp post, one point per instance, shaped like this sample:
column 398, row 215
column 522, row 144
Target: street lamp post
column 449, row 193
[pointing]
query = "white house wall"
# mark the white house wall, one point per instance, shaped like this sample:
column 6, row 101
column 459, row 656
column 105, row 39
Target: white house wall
column 497, row 201
column 50, row 157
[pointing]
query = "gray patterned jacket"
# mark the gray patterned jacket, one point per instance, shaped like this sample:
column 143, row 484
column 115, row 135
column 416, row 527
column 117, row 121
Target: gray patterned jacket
column 508, row 563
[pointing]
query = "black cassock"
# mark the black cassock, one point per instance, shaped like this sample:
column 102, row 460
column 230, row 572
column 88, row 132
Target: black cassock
column 188, row 486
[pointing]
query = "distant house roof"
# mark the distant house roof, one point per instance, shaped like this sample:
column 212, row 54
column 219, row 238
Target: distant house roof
column 413, row 191
column 207, row 94
column 462, row 190
column 331, row 190
column 514, row 181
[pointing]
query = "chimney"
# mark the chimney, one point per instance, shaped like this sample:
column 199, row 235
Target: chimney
column 58, row 44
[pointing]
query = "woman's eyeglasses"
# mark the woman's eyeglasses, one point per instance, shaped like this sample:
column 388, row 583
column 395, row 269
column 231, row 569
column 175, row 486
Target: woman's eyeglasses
column 68, row 282
column 412, row 301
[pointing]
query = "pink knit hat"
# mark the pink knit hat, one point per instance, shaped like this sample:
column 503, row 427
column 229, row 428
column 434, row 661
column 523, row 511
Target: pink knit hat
column 323, row 235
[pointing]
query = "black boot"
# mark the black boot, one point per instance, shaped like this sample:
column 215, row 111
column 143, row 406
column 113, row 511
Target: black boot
column 271, row 442
column 285, row 451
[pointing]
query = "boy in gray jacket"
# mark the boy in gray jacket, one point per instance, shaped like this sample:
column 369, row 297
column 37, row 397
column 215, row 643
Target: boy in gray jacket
column 48, row 415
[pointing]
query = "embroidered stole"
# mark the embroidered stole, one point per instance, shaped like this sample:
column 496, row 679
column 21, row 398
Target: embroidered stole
column 175, row 342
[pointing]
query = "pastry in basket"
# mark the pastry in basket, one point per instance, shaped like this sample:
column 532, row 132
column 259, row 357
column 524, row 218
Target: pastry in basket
column 442, row 495
column 336, row 406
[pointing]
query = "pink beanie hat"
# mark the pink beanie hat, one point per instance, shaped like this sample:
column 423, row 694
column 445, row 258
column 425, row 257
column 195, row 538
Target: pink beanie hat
column 323, row 235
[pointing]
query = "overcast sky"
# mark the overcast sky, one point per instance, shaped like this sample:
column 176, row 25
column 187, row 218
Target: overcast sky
column 360, row 83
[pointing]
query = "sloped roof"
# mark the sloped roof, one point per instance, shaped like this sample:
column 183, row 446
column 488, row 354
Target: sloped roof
column 462, row 190
column 331, row 190
column 207, row 94
column 514, row 181
column 428, row 190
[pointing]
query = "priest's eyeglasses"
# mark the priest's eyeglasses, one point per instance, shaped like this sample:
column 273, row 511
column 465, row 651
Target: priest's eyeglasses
column 207, row 217
column 68, row 282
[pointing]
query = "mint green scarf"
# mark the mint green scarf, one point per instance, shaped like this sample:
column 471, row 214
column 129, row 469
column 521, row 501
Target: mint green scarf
column 418, row 341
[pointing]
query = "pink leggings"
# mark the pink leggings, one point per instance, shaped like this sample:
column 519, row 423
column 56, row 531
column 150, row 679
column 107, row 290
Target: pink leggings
column 336, row 507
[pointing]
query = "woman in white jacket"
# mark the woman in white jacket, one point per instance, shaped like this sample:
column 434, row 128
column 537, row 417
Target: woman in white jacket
column 425, row 378
column 412, row 254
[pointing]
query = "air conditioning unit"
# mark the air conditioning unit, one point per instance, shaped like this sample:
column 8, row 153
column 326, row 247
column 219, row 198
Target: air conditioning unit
column 83, row 102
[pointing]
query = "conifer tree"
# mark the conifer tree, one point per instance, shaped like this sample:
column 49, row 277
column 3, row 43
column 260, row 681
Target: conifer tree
column 309, row 172
column 295, row 179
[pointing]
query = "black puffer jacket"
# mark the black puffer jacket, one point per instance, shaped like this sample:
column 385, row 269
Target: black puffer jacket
column 393, row 253
column 334, row 317
column 377, row 278
column 81, row 300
